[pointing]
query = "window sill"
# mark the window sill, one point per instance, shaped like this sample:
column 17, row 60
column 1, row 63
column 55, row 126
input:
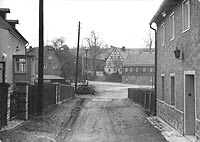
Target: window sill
column 172, row 39
column 184, row 31
column 162, row 45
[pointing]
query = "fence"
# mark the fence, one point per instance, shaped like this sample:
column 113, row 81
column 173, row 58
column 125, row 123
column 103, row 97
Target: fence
column 53, row 94
column 144, row 97
column 3, row 104
column 66, row 91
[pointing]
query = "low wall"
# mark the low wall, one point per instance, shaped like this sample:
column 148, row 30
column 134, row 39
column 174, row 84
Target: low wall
column 144, row 97
column 171, row 115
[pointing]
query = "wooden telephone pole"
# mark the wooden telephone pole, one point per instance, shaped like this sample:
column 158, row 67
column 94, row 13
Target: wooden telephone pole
column 77, row 57
column 40, row 60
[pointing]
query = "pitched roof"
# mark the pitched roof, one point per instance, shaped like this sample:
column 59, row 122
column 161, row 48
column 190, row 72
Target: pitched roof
column 140, row 59
column 165, row 7
column 5, row 25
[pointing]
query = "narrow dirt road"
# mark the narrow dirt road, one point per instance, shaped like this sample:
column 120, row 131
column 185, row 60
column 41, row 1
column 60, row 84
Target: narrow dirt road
column 111, row 117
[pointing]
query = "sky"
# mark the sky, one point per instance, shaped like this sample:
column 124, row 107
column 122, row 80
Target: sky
column 117, row 22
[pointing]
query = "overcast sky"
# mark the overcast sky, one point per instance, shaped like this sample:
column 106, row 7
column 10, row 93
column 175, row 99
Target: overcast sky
column 118, row 22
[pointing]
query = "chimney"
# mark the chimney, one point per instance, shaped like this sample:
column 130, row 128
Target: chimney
column 13, row 22
column 123, row 48
column 3, row 12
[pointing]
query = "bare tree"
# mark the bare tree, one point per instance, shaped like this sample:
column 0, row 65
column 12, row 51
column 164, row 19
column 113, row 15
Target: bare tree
column 67, row 61
column 58, row 42
column 148, row 41
column 94, row 44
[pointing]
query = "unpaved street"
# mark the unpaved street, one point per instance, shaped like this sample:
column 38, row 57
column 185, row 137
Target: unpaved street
column 111, row 117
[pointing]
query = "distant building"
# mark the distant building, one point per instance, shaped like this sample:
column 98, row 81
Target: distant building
column 138, row 68
column 52, row 64
column 115, row 60
column 178, row 77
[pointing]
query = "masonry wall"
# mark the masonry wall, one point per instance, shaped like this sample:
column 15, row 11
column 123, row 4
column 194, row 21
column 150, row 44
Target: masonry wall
column 8, row 44
column 189, row 43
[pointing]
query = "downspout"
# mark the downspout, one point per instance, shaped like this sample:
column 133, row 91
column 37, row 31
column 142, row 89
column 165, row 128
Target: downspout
column 155, row 83
column 26, row 45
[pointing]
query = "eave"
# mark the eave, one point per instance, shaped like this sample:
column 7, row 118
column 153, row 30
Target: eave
column 165, row 7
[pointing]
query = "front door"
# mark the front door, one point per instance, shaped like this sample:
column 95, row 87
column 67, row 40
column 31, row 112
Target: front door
column 189, row 105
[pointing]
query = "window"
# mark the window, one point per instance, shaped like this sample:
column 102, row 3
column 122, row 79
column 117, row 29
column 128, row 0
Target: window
column 144, row 69
column 45, row 66
column 126, row 69
column 109, row 70
column 131, row 69
column 186, row 15
column 151, row 69
column 20, row 65
column 55, row 67
column 163, row 34
column 172, row 80
column 172, row 26
column 50, row 57
column 138, row 78
column 163, row 87
column 137, row 69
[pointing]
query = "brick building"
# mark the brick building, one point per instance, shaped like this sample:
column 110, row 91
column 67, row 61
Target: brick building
column 178, row 78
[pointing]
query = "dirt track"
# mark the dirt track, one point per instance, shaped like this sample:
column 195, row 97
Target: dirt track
column 112, row 117
column 108, row 116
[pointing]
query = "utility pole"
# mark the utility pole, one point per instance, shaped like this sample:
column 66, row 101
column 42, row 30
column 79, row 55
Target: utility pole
column 77, row 57
column 40, row 61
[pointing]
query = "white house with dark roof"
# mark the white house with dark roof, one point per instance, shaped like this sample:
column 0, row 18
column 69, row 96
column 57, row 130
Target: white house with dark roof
column 138, row 68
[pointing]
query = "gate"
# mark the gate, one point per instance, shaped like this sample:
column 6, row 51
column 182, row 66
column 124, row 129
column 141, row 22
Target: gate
column 3, row 104
column 13, row 104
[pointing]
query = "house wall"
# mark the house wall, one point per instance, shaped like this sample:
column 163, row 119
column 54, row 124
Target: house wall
column 189, row 43
column 8, row 44
column 140, row 77
column 114, row 62
column 53, row 64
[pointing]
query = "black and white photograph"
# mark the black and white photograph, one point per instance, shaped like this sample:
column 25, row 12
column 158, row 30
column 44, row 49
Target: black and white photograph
column 99, row 70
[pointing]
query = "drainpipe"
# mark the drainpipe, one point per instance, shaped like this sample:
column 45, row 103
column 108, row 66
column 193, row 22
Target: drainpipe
column 155, row 83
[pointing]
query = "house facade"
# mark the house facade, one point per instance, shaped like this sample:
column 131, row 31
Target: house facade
column 138, row 68
column 12, row 43
column 115, row 60
column 178, row 77
column 15, row 71
column 52, row 64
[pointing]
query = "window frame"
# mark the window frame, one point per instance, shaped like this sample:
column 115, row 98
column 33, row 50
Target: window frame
column 162, row 34
column 144, row 69
column 45, row 66
column 137, row 69
column 24, row 65
column 163, row 87
column 184, row 3
column 173, row 102
column 172, row 26
column 126, row 69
